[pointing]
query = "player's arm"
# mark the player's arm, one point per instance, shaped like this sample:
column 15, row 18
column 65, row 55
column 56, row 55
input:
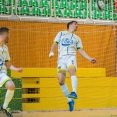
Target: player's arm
column 11, row 67
column 52, row 49
column 56, row 41
column 85, row 55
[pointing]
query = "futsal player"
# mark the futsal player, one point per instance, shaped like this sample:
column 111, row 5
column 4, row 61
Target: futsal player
column 4, row 64
column 68, row 42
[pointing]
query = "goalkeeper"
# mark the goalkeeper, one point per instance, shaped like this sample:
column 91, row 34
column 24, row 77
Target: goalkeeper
column 68, row 43
column 4, row 63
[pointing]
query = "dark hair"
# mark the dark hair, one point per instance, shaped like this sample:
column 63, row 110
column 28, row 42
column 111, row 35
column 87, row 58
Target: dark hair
column 70, row 23
column 4, row 30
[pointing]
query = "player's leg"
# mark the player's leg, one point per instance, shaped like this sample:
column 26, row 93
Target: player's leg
column 72, row 71
column 63, row 86
column 7, row 82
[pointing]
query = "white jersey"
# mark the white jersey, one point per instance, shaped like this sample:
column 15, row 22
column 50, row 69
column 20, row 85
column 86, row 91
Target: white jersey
column 4, row 57
column 68, row 43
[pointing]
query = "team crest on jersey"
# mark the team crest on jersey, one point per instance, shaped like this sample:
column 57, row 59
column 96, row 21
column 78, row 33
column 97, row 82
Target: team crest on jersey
column 66, row 42
column 1, row 61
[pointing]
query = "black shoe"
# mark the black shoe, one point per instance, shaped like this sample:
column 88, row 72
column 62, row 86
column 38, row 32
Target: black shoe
column 7, row 111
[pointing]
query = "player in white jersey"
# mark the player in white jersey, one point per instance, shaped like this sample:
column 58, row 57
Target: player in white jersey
column 5, row 80
column 68, row 43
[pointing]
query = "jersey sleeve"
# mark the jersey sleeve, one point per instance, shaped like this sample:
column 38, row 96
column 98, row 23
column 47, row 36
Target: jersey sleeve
column 79, row 44
column 7, row 58
column 58, row 37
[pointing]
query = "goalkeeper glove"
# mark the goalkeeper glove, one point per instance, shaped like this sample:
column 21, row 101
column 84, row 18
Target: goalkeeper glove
column 51, row 54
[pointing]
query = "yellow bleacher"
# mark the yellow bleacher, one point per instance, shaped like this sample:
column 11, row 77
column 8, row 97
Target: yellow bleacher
column 94, row 89
column 52, row 72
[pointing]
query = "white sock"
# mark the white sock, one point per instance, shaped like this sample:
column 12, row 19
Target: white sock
column 8, row 97
column 65, row 91
column 74, row 83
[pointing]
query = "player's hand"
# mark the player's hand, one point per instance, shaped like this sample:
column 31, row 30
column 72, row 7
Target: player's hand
column 93, row 60
column 19, row 69
column 51, row 54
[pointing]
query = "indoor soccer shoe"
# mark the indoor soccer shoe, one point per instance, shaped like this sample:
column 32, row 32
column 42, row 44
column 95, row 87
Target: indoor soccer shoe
column 72, row 95
column 71, row 105
column 7, row 111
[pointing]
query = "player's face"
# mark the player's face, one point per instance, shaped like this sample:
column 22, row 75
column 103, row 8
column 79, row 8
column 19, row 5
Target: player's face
column 6, row 37
column 74, row 26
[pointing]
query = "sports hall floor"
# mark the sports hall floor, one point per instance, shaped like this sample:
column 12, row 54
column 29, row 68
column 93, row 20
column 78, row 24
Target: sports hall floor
column 83, row 113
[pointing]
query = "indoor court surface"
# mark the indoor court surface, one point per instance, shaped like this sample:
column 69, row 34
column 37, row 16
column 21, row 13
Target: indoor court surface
column 83, row 113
